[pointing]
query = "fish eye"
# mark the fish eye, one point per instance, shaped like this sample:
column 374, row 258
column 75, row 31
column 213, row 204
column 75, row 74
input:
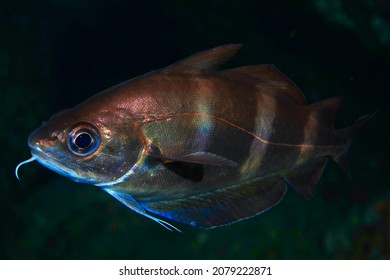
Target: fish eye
column 83, row 141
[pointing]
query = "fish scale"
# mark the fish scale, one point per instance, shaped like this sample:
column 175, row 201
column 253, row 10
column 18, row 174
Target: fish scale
column 196, row 145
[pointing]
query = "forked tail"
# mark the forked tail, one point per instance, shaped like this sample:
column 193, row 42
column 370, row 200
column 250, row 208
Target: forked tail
column 347, row 133
column 325, row 113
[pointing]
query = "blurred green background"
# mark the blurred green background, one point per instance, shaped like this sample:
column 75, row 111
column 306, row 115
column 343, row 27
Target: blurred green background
column 54, row 54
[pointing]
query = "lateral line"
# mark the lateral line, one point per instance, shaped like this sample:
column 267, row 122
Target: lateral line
column 240, row 128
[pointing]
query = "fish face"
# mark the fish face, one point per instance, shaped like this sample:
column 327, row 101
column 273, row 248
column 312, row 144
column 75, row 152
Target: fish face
column 95, row 149
column 196, row 145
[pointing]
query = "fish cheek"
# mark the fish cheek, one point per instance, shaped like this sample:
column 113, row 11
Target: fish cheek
column 115, row 157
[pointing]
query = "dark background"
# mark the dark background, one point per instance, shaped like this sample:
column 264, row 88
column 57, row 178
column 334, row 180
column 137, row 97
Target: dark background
column 54, row 54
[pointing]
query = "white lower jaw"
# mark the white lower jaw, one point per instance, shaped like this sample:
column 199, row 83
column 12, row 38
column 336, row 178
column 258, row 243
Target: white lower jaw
column 47, row 162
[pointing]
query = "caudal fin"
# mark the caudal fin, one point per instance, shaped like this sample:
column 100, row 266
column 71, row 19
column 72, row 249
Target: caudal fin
column 347, row 134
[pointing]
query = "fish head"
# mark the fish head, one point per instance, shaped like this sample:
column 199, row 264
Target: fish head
column 89, row 146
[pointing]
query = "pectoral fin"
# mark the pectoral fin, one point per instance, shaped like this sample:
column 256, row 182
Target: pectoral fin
column 223, row 206
column 199, row 158
column 191, row 171
column 191, row 166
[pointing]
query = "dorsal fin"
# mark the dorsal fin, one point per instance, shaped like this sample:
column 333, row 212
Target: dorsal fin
column 325, row 110
column 203, row 62
column 267, row 76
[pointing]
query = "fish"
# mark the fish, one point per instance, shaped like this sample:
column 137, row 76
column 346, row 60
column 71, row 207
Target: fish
column 195, row 144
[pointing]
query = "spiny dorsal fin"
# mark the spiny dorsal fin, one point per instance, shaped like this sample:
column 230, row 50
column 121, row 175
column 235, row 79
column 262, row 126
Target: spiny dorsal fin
column 269, row 78
column 203, row 62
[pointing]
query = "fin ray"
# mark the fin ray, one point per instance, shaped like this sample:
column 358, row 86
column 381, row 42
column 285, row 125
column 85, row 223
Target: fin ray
column 325, row 111
column 203, row 62
column 304, row 178
column 224, row 206
column 267, row 76
column 134, row 205
column 198, row 157
column 347, row 134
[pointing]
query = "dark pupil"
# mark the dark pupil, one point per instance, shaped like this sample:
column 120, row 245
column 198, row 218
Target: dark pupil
column 83, row 140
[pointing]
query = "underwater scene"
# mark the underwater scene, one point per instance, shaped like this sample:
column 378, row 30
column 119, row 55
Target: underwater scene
column 248, row 130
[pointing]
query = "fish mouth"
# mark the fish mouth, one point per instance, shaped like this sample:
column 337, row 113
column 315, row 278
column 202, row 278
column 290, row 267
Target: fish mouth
column 52, row 164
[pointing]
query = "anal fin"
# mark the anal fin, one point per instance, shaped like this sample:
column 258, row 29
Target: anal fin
column 223, row 206
column 304, row 178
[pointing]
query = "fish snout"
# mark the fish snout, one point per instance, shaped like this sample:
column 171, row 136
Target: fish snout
column 41, row 139
column 35, row 141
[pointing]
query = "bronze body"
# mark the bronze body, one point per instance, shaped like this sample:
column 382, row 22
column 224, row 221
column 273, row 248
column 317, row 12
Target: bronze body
column 197, row 145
